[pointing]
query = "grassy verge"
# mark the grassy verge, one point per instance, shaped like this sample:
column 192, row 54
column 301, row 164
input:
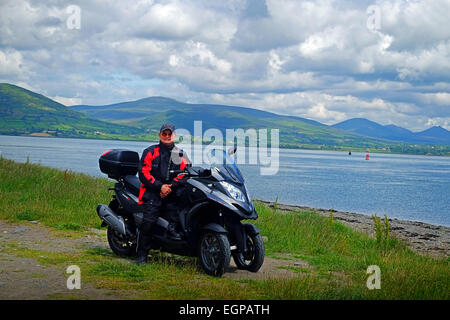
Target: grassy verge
column 61, row 199
column 339, row 256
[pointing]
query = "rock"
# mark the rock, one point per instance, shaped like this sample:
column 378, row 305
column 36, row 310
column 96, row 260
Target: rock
column 301, row 264
column 20, row 229
column 265, row 239
column 430, row 235
column 97, row 231
column 412, row 234
column 95, row 246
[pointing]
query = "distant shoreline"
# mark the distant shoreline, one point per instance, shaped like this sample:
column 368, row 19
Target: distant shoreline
column 422, row 237
column 342, row 149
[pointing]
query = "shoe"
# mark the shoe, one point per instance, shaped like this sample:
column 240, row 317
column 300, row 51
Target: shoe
column 141, row 260
column 174, row 235
column 142, row 248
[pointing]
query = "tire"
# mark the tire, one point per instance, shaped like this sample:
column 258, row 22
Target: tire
column 254, row 258
column 119, row 245
column 214, row 253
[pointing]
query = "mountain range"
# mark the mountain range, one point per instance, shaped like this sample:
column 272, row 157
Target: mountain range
column 434, row 135
column 24, row 112
column 147, row 113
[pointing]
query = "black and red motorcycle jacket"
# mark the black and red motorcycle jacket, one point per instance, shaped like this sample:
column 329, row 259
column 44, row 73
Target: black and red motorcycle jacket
column 154, row 169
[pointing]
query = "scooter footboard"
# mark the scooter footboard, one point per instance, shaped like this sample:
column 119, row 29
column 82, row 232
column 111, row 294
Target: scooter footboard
column 139, row 219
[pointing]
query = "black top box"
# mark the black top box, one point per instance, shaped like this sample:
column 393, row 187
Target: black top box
column 118, row 163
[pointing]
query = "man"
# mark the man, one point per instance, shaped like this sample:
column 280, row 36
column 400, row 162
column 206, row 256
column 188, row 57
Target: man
column 156, row 186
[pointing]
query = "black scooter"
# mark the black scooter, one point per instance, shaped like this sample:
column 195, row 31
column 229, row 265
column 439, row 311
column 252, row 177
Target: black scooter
column 216, row 200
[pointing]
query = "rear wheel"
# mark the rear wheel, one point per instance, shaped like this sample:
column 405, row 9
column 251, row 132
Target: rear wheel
column 253, row 259
column 214, row 253
column 119, row 244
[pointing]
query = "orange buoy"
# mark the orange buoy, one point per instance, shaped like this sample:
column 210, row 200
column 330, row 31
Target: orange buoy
column 367, row 157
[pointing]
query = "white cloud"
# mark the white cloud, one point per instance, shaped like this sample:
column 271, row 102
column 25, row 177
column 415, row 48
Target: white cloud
column 320, row 112
column 275, row 63
column 10, row 62
column 442, row 122
column 198, row 53
column 331, row 38
column 12, row 65
column 314, row 59
column 438, row 98
column 68, row 101
column 167, row 21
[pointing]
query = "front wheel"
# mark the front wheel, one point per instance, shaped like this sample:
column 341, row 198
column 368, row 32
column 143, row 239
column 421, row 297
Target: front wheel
column 214, row 253
column 253, row 259
column 119, row 245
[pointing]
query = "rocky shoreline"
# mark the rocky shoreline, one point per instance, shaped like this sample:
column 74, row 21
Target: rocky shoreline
column 422, row 237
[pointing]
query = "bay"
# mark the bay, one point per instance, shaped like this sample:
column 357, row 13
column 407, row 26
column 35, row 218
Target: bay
column 406, row 187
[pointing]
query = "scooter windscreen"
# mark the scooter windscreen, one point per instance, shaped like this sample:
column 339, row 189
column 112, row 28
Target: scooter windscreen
column 226, row 165
column 234, row 181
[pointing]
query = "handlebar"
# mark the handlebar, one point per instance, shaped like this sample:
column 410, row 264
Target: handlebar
column 178, row 171
column 191, row 172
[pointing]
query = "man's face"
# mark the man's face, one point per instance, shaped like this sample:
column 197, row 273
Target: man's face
column 167, row 137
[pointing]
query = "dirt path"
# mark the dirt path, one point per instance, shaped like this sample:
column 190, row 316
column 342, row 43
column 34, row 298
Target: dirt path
column 26, row 278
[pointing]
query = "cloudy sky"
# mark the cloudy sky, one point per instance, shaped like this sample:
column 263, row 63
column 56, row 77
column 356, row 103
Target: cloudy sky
column 387, row 60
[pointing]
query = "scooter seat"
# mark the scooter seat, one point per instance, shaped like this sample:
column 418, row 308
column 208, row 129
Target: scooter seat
column 133, row 184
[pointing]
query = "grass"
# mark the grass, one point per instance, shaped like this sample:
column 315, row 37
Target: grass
column 339, row 256
column 61, row 199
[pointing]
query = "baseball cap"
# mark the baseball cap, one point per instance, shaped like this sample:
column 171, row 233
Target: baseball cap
column 167, row 126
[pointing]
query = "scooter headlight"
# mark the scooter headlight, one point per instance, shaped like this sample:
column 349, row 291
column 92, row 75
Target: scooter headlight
column 234, row 192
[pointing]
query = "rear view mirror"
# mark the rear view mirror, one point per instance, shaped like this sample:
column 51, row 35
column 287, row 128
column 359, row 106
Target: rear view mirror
column 232, row 150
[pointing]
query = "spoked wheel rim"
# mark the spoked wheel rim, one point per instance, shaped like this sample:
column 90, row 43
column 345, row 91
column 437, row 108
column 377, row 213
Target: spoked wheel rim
column 210, row 251
column 120, row 245
column 253, row 258
column 248, row 257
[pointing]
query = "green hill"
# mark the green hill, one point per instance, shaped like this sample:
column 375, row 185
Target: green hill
column 24, row 112
column 149, row 113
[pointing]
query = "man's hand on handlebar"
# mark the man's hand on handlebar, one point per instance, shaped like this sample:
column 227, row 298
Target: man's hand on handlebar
column 165, row 190
column 198, row 172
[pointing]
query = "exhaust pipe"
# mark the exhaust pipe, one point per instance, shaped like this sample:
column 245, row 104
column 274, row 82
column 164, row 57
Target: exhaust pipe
column 118, row 224
column 113, row 220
